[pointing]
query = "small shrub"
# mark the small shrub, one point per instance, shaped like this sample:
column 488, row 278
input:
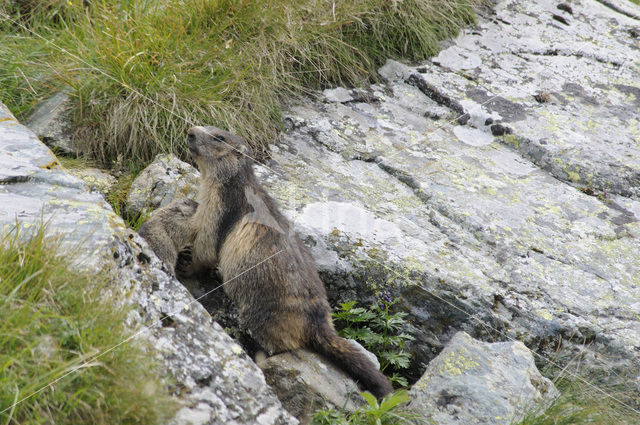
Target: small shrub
column 379, row 331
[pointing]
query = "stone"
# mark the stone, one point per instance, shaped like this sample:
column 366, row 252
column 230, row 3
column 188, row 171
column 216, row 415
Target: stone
column 338, row 94
column 213, row 380
column 97, row 180
column 476, row 383
column 51, row 121
column 305, row 382
column 165, row 179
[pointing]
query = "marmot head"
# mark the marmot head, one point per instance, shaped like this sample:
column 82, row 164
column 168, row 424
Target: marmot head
column 218, row 153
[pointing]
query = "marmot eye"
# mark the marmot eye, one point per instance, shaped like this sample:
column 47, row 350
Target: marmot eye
column 219, row 138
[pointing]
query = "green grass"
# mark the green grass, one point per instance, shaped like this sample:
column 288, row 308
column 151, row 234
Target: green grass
column 53, row 319
column 584, row 404
column 228, row 63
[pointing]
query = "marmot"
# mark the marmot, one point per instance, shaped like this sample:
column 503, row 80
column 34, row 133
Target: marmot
column 169, row 231
column 268, row 271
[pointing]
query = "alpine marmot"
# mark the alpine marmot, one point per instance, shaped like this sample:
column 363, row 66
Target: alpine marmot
column 268, row 271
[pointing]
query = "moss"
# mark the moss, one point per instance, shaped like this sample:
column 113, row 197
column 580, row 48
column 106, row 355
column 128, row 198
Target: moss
column 573, row 176
column 511, row 139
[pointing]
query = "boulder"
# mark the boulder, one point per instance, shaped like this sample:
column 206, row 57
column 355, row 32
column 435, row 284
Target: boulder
column 212, row 378
column 305, row 382
column 482, row 208
column 476, row 383
column 165, row 179
column 51, row 122
column 98, row 180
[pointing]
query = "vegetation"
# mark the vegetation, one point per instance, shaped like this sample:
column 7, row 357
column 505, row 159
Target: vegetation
column 53, row 323
column 391, row 411
column 140, row 72
column 581, row 403
column 379, row 331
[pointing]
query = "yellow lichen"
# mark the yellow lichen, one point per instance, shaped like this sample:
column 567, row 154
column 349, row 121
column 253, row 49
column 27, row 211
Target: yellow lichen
column 545, row 314
column 456, row 363
column 573, row 176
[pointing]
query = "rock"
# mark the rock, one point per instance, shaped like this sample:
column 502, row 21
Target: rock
column 213, row 380
column 529, row 235
column 165, row 179
column 338, row 94
column 51, row 121
column 305, row 381
column 97, row 180
column 471, row 382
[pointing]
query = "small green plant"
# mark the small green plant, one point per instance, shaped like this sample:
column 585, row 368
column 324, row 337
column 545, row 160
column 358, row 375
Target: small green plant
column 390, row 411
column 54, row 321
column 379, row 331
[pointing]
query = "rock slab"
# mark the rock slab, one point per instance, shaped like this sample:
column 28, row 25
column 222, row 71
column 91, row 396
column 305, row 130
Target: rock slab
column 494, row 189
column 476, row 383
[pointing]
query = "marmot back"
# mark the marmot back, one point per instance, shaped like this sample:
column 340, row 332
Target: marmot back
column 268, row 271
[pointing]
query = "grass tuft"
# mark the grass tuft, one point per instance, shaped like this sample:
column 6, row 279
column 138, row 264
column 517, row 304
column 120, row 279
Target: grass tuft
column 53, row 319
column 596, row 403
column 176, row 63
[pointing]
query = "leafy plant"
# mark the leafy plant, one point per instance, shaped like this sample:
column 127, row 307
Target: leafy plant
column 390, row 411
column 379, row 331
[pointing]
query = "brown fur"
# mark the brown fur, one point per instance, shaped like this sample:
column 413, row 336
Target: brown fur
column 281, row 301
column 169, row 230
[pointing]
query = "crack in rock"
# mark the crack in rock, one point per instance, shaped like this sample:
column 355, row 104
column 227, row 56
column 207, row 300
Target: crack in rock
column 439, row 97
column 15, row 179
column 618, row 9
column 568, row 53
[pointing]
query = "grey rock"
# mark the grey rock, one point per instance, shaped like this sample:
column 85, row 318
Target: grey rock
column 51, row 121
column 338, row 94
column 531, row 235
column 366, row 352
column 165, row 179
column 471, row 382
column 215, row 382
column 97, row 180
column 304, row 382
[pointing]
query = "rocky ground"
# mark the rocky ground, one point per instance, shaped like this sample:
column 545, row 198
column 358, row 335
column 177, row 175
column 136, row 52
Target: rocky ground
column 494, row 189
column 496, row 185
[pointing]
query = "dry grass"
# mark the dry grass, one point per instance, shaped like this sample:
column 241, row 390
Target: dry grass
column 176, row 63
